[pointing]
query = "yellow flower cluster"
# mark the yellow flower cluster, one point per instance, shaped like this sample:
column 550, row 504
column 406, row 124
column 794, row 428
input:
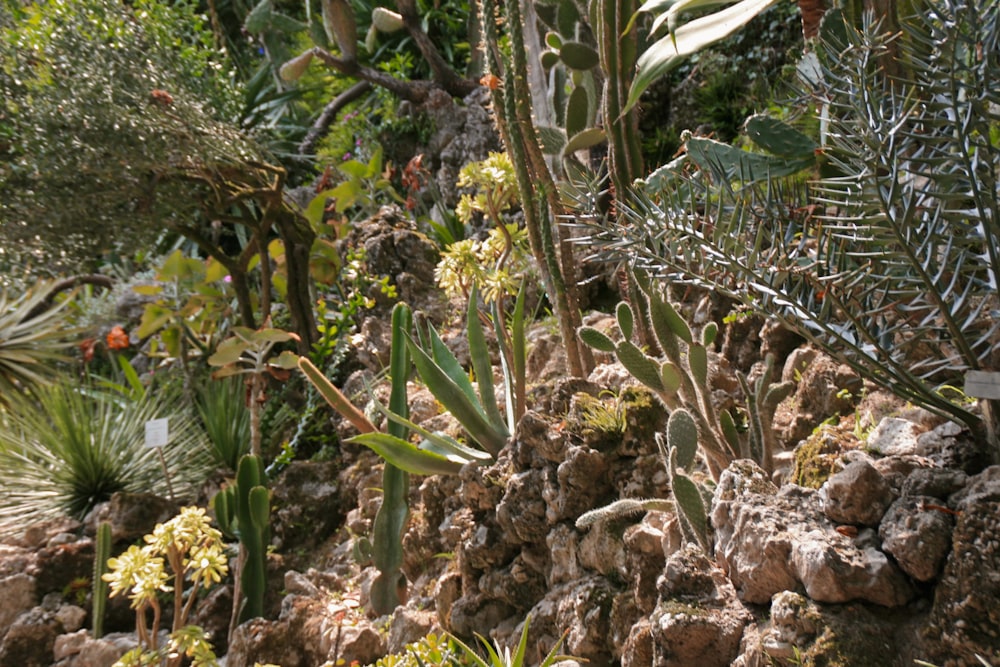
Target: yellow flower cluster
column 467, row 262
column 191, row 549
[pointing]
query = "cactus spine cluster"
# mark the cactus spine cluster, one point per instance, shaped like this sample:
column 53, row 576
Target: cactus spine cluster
column 243, row 510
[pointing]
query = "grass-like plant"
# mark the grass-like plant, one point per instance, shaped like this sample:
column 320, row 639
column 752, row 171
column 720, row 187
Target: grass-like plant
column 502, row 657
column 891, row 265
column 71, row 448
column 33, row 338
column 222, row 406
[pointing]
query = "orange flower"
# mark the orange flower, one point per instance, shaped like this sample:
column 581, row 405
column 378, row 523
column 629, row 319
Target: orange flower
column 117, row 339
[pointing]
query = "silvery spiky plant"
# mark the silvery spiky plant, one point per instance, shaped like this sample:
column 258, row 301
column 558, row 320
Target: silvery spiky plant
column 892, row 264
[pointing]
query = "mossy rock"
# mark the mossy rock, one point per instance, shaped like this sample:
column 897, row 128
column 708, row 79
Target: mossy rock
column 816, row 458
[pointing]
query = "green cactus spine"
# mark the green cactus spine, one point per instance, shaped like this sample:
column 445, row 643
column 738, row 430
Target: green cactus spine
column 389, row 586
column 99, row 591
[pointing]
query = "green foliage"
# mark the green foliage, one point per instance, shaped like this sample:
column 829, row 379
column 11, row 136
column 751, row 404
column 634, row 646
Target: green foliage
column 889, row 265
column 137, row 94
column 189, row 305
column 222, row 407
column 430, row 650
column 690, row 498
column 186, row 548
column 680, row 377
column 33, row 339
column 497, row 657
column 70, row 449
column 683, row 40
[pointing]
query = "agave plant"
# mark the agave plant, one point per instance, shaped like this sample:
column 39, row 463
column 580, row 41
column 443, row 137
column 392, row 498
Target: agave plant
column 892, row 264
column 33, row 339
column 70, row 449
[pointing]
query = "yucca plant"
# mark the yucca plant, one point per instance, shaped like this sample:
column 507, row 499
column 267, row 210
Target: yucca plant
column 69, row 449
column 33, row 339
column 892, row 265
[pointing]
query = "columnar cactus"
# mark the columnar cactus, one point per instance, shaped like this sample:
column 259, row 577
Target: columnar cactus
column 243, row 510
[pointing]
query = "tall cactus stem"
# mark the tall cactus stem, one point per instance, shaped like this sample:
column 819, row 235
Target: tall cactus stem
column 99, row 590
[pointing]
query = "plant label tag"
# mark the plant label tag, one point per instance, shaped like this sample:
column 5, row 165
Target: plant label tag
column 156, row 433
column 982, row 384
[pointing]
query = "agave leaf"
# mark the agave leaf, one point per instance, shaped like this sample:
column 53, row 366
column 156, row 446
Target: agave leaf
column 442, row 443
column 448, row 363
column 457, row 402
column 407, row 456
column 480, row 356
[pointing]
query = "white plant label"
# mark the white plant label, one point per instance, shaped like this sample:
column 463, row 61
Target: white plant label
column 982, row 384
column 157, row 433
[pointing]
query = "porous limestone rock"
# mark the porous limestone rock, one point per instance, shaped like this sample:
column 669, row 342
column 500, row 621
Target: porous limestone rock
column 770, row 541
column 916, row 531
column 965, row 618
column 857, row 495
column 19, row 596
column 698, row 619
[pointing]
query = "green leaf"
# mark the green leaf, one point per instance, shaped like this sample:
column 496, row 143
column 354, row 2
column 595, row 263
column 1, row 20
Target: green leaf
column 287, row 360
column 228, row 352
column 271, row 336
column 457, row 402
column 625, row 318
column 709, row 333
column 688, row 499
column 672, row 50
column 698, row 360
column 407, row 456
column 552, row 139
column 447, row 362
column 671, row 377
column 154, row 317
column 732, row 163
column 178, row 267
column 665, row 318
column 481, row 366
column 682, row 436
column 729, row 431
column 643, row 368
